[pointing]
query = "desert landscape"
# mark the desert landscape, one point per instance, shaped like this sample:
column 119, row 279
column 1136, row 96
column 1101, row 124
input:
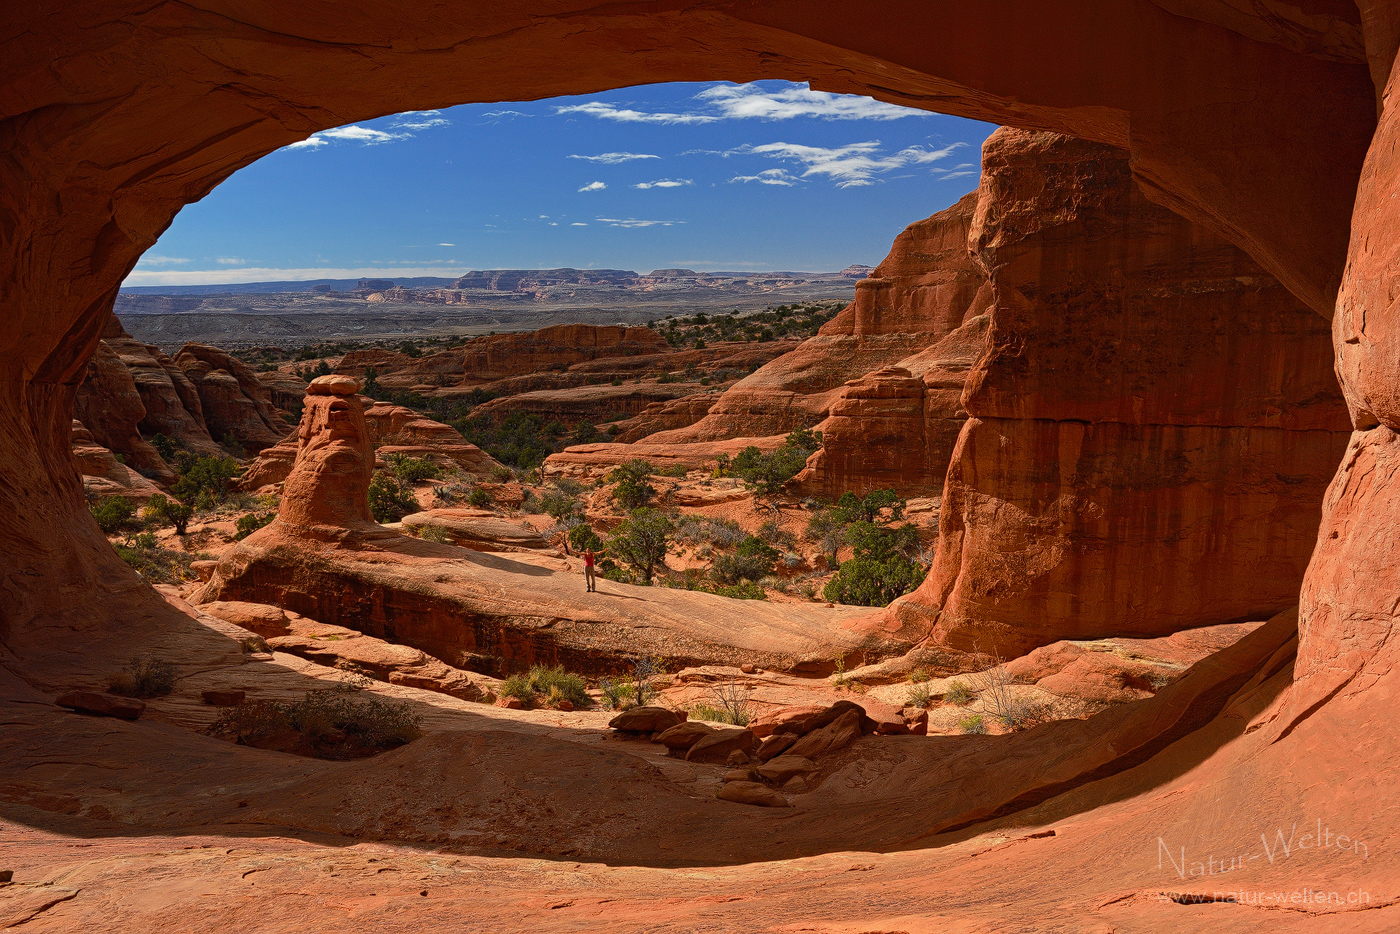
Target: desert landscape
column 1039, row 578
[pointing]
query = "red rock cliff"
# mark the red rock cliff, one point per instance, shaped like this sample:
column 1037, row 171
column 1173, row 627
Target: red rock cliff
column 1152, row 424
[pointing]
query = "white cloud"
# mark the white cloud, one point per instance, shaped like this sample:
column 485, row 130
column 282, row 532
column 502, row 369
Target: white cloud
column 604, row 111
column 769, row 177
column 266, row 274
column 749, row 101
column 231, row 261
column 664, row 183
column 505, row 113
column 406, row 124
column 593, row 186
column 634, row 222
column 578, row 224
column 854, row 164
column 963, row 174
column 613, row 158
column 753, row 102
column 157, row 260
column 421, row 120
column 447, row 244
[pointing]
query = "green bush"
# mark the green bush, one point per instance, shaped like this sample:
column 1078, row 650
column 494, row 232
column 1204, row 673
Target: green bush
column 560, row 506
column 478, row 498
column 851, row 508
column 641, row 541
column 556, row 681
column 919, row 696
column 113, row 513
column 204, row 479
column 973, row 724
column 518, row 686
column 146, row 676
column 677, row 471
column 412, row 469
column 390, row 499
column 958, row 694
column 767, row 474
column 617, row 694
column 164, row 446
column 633, row 490
column 157, row 565
column 582, row 538
column 433, row 533
column 882, row 568
column 504, row 474
column 334, row 723
column 250, row 523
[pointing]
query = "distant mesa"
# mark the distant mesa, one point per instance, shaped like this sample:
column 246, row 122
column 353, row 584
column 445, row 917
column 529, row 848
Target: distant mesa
column 673, row 274
column 368, row 285
column 855, row 271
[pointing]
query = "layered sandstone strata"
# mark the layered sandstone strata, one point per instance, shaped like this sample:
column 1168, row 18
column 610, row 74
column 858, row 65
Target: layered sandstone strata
column 922, row 291
column 102, row 474
column 1152, row 424
column 171, row 401
column 237, row 408
column 111, row 404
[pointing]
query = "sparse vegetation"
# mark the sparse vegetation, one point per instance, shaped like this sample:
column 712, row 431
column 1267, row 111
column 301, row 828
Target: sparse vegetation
column 641, row 541
column 919, row 696
column 751, row 561
column 157, row 565
column 161, row 510
column 732, row 703
column 433, row 533
column 479, row 498
column 794, row 321
column 412, row 470
column 113, row 513
column 973, row 724
column 145, row 676
column 633, row 488
column 767, row 474
column 959, row 694
column 884, row 564
column 548, row 686
column 203, row 481
column 250, row 523
column 328, row 724
column 390, row 499
column 560, row 506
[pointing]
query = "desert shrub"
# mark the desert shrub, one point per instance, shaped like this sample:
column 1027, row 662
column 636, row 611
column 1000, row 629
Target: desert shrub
column 518, row 439
column 774, row 534
column 693, row 530
column 582, row 538
column 744, row 590
column 559, row 506
column 767, row 474
column 478, row 498
column 1007, row 706
column 732, row 703
column 412, row 469
column 752, row 560
column 144, row 676
column 973, row 724
column 250, row 523
column 204, row 480
column 642, row 540
column 433, row 533
column 164, row 446
column 113, row 513
column 919, row 696
column 851, row 508
column 333, row 724
column 518, row 686
column 157, row 565
column 451, row 494
column 557, row 681
column 633, row 490
column 676, row 470
column 827, row 530
column 617, row 694
column 881, row 568
column 568, row 486
column 958, row 694
column 390, row 499
column 502, row 474
column 918, row 676
column 646, row 669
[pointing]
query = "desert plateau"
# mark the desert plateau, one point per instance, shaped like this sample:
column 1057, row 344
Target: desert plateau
column 1039, row 576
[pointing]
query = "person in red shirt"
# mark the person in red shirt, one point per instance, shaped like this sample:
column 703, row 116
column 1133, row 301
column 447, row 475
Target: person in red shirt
column 588, row 577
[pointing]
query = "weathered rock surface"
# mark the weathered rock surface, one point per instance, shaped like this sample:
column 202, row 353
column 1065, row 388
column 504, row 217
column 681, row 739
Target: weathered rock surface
column 171, row 401
column 1087, row 495
column 237, row 407
column 394, row 429
column 754, row 793
column 102, row 705
column 646, row 720
column 721, row 744
column 666, row 416
column 478, row 529
column 102, row 474
column 109, row 402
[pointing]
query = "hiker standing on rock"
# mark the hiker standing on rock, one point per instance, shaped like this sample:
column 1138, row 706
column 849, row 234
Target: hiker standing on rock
column 588, row 577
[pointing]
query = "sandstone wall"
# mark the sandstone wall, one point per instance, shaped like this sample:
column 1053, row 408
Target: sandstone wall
column 237, row 408
column 1153, row 421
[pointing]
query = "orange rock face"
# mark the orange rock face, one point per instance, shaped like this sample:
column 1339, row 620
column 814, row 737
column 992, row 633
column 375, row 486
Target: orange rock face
column 1151, row 423
column 170, row 399
column 237, row 408
column 108, row 401
column 922, row 292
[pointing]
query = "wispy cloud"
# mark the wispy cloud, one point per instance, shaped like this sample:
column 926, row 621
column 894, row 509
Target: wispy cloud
column 854, row 164
column 447, row 244
column 750, row 101
column 634, row 222
column 157, row 260
column 578, row 224
column 605, row 111
column 230, row 261
column 506, row 113
column 753, row 102
column 769, row 177
column 664, row 183
column 405, row 126
column 593, row 186
column 613, row 158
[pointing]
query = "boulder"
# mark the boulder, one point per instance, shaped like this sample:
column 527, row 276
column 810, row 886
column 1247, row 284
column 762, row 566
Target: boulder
column 682, row 736
column 784, row 720
column 478, row 529
column 775, row 744
column 509, row 702
column 718, row 745
column 102, row 705
column 839, row 733
column 784, row 767
column 754, row 793
column 225, row 698
column 647, row 720
column 267, row 621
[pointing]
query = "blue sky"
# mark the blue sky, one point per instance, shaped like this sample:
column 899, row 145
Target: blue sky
column 708, row 176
